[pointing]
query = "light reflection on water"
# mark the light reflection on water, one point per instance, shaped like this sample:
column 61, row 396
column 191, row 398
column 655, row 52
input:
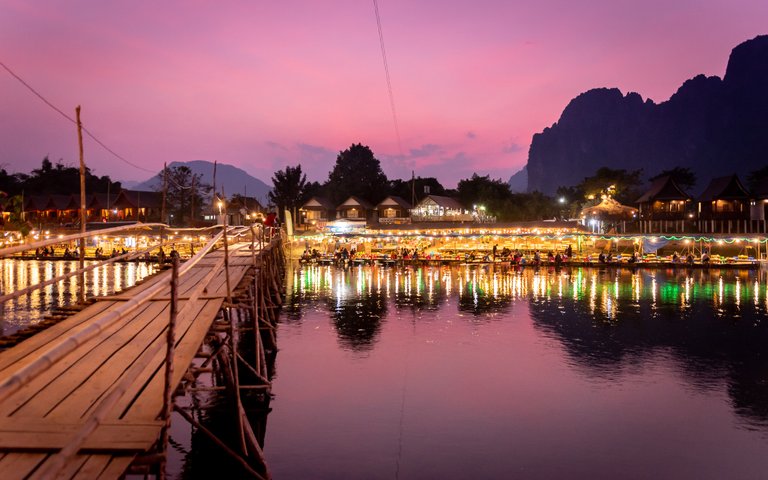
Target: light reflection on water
column 30, row 308
column 457, row 372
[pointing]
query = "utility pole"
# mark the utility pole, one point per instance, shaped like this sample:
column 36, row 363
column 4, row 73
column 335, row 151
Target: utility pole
column 213, row 191
column 165, row 192
column 81, row 280
column 193, row 194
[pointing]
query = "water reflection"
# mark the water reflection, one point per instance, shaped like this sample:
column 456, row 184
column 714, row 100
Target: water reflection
column 30, row 308
column 711, row 324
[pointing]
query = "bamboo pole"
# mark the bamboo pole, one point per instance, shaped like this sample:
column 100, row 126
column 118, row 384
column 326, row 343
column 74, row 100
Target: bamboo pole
column 81, row 279
column 253, row 370
column 218, row 442
column 233, row 338
column 226, row 257
column 170, row 347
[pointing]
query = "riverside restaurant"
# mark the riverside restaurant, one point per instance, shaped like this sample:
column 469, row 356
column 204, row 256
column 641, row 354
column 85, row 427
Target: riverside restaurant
column 525, row 243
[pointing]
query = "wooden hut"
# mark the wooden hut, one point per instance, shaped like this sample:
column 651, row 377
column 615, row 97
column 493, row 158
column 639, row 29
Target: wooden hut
column 61, row 209
column 33, row 209
column 724, row 206
column 317, row 212
column 393, row 210
column 759, row 208
column 101, row 207
column 665, row 207
column 355, row 209
column 141, row 206
column 241, row 210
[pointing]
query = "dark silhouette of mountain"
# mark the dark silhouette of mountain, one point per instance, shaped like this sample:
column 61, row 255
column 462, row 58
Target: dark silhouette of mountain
column 712, row 126
column 518, row 183
column 233, row 180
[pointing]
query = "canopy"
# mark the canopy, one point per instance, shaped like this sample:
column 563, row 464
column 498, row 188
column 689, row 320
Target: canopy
column 609, row 208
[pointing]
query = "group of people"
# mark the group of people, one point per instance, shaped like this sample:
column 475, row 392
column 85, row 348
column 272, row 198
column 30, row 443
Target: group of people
column 44, row 252
column 518, row 258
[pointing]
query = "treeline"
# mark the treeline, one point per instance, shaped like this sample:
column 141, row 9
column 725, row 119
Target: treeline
column 54, row 179
column 358, row 172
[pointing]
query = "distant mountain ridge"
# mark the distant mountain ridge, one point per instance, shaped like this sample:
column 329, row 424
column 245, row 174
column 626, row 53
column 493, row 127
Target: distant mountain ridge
column 713, row 126
column 232, row 179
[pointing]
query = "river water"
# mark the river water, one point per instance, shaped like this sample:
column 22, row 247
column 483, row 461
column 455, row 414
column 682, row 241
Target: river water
column 29, row 309
column 475, row 372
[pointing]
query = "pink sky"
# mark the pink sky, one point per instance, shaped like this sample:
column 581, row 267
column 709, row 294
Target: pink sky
column 261, row 85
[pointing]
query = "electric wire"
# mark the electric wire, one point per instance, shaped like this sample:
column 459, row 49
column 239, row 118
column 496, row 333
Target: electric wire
column 87, row 132
column 386, row 73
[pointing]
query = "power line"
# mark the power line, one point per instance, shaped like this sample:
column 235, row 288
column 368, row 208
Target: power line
column 386, row 72
column 72, row 120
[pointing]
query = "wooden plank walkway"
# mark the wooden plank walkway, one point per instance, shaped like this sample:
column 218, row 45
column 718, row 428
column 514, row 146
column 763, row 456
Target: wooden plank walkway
column 41, row 417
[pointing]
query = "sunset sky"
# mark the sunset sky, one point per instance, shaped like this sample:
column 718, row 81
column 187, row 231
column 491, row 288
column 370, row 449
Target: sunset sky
column 264, row 84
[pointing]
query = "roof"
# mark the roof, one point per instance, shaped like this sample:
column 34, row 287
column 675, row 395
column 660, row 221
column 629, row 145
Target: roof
column 609, row 207
column 354, row 201
column 394, row 200
column 101, row 201
column 320, row 202
column 246, row 202
column 139, row 199
column 663, row 188
column 35, row 202
column 445, row 202
column 724, row 188
column 62, row 202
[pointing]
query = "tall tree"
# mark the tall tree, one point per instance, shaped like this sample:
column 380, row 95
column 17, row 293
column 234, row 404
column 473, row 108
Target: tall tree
column 357, row 172
column 186, row 194
column 287, row 189
column 491, row 194
column 684, row 177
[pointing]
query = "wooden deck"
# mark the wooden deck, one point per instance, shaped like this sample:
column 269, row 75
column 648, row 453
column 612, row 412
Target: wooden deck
column 120, row 371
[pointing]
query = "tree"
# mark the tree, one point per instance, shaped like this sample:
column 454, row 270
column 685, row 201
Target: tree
column 311, row 189
column 287, row 189
column 757, row 177
column 61, row 179
column 9, row 184
column 620, row 184
column 420, row 186
column 491, row 194
column 570, row 201
column 185, row 195
column 357, row 172
column 683, row 176
column 14, row 206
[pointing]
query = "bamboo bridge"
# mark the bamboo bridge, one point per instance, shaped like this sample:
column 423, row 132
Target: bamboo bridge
column 92, row 396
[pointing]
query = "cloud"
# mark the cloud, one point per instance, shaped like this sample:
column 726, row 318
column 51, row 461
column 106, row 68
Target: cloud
column 471, row 135
column 315, row 151
column 425, row 150
column 275, row 145
column 512, row 147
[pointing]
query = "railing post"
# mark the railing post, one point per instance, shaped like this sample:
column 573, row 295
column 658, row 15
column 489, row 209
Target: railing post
column 169, row 352
column 226, row 262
